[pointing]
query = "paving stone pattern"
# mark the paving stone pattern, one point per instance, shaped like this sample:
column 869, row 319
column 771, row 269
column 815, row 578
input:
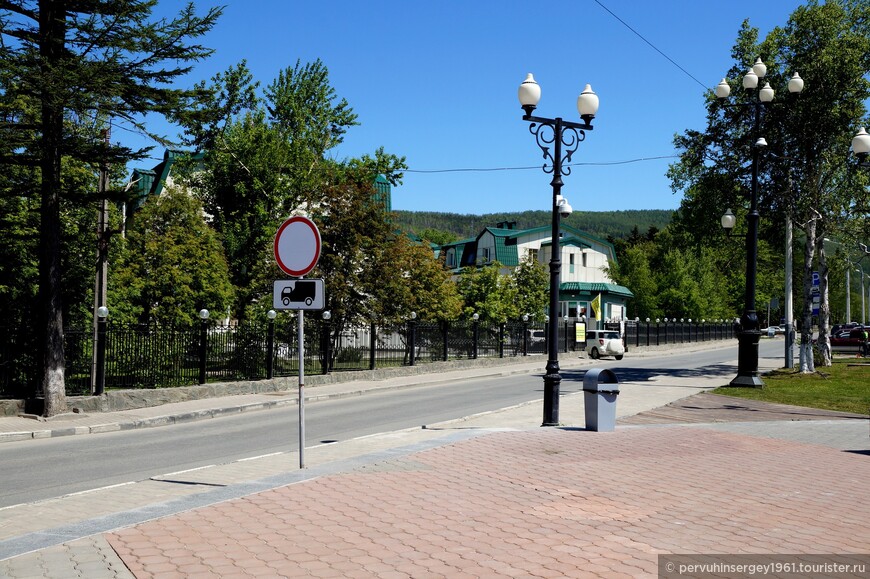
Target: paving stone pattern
column 539, row 503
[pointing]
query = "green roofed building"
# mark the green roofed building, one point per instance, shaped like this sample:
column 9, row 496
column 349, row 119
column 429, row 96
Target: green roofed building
column 145, row 183
column 584, row 257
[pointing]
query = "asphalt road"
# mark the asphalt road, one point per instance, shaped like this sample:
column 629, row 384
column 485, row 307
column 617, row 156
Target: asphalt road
column 47, row 468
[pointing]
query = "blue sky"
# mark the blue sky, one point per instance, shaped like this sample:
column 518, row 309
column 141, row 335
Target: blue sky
column 437, row 82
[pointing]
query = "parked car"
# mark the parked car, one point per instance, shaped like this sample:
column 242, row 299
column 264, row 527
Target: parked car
column 604, row 343
column 773, row 330
column 849, row 340
column 838, row 328
column 536, row 336
column 536, row 341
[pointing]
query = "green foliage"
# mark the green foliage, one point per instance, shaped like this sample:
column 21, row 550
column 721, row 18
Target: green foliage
column 488, row 293
column 693, row 283
column 306, row 108
column 383, row 163
column 531, row 279
column 67, row 69
column 172, row 266
column 604, row 224
column 265, row 160
column 418, row 283
column 437, row 236
column 634, row 271
column 241, row 184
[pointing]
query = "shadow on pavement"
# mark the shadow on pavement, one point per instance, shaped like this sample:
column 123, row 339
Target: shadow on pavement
column 628, row 374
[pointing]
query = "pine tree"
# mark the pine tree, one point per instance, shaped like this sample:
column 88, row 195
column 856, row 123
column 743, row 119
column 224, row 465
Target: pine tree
column 64, row 61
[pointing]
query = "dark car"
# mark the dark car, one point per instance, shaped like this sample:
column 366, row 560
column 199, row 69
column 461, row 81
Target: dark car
column 849, row 340
column 840, row 328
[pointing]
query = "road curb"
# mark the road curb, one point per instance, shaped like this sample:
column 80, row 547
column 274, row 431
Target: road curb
column 209, row 413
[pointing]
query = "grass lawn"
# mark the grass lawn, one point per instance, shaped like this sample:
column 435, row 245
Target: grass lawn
column 845, row 387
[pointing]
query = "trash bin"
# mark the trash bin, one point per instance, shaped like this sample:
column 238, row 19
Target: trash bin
column 600, row 389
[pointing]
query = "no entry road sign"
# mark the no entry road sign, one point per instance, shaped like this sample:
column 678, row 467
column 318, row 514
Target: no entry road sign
column 297, row 246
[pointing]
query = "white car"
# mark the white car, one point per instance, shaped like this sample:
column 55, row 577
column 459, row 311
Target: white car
column 604, row 343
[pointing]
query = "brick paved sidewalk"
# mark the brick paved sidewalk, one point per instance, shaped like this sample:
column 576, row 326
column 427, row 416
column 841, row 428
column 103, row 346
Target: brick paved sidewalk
column 535, row 503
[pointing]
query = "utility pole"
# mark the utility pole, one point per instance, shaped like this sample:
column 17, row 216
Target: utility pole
column 789, row 305
column 103, row 233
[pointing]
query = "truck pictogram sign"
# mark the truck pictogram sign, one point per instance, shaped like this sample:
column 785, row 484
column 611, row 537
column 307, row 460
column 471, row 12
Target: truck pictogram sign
column 300, row 294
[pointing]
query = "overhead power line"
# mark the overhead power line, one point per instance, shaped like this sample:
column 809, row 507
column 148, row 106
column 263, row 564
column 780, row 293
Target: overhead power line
column 653, row 46
column 526, row 168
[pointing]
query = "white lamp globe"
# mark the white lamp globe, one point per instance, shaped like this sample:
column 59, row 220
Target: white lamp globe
column 529, row 92
column 587, row 103
column 759, row 68
column 861, row 142
column 795, row 84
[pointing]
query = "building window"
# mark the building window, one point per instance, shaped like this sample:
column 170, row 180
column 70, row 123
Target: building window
column 533, row 254
column 571, row 263
column 451, row 258
column 485, row 252
column 584, row 259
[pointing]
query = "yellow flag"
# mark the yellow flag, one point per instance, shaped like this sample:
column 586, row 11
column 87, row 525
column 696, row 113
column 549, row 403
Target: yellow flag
column 596, row 307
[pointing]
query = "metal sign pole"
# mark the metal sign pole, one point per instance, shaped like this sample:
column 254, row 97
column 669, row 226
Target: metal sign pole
column 301, row 350
column 297, row 250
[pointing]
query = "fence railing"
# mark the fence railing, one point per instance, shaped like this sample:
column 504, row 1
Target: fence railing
column 645, row 334
column 150, row 356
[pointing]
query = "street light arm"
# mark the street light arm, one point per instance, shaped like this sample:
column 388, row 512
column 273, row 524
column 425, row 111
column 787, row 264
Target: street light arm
column 552, row 123
column 546, row 134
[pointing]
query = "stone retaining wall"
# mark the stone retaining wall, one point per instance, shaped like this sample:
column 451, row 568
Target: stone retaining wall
column 114, row 400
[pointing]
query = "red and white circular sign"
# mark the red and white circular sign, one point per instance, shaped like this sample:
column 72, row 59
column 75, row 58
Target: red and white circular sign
column 297, row 246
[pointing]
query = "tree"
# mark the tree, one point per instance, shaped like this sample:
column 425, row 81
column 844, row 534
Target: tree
column 356, row 259
column 488, row 293
column 172, row 266
column 804, row 174
column 532, row 281
column 437, row 236
column 415, row 281
column 633, row 271
column 303, row 104
column 265, row 158
column 80, row 59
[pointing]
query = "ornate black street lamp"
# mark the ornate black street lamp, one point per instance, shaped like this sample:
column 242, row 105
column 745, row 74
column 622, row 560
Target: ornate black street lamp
column 563, row 137
column 750, row 334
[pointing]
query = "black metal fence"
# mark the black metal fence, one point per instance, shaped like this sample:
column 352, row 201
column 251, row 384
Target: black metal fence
column 645, row 334
column 160, row 356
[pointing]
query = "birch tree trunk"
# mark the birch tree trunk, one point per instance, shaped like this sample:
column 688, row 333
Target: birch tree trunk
column 824, row 340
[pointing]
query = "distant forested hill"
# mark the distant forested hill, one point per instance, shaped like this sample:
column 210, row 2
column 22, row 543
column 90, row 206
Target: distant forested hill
column 601, row 224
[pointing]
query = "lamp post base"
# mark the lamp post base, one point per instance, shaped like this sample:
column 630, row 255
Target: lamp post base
column 746, row 382
column 552, row 380
column 747, row 360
